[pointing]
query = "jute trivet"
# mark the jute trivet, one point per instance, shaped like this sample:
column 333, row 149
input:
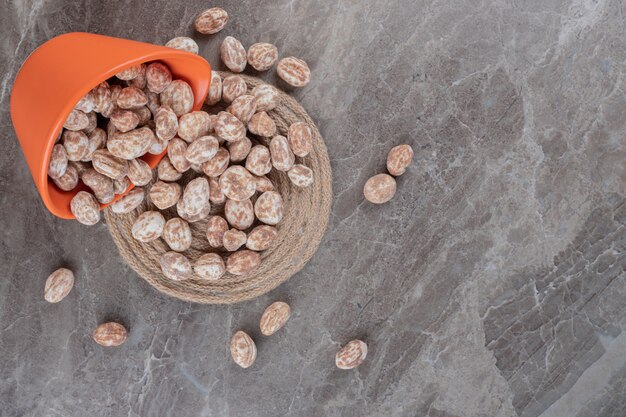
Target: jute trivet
column 299, row 233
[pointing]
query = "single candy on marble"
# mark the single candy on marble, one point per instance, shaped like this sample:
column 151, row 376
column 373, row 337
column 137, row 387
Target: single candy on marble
column 399, row 159
column 380, row 188
column 233, row 54
column 243, row 349
column 58, row 285
column 351, row 355
column 274, row 317
column 211, row 20
column 294, row 71
column 110, row 334
column 261, row 56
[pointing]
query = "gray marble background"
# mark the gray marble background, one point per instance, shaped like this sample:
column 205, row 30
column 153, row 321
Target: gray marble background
column 492, row 285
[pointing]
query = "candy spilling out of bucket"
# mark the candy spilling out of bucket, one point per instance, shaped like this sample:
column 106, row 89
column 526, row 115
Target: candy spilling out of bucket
column 60, row 72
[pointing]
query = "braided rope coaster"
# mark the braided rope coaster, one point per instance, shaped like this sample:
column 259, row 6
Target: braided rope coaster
column 299, row 233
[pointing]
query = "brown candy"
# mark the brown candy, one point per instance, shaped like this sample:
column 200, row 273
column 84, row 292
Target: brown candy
column 178, row 95
column 294, row 71
column 77, row 120
column 399, row 159
column 300, row 138
column 176, row 152
column 58, row 162
column 269, row 208
column 196, row 196
column 242, row 349
column 131, row 145
column 166, row 171
column 202, row 149
column 301, row 175
column 124, row 120
column 228, row 127
column 101, row 185
column 239, row 150
column 243, row 262
column 274, row 317
column 259, row 161
column 211, row 21
column 243, row 107
column 110, row 165
column 129, row 202
column 380, row 188
column 177, row 234
column 240, row 214
column 262, row 238
column 69, row 180
column 261, row 124
column 58, row 285
column 215, row 90
column 233, row 54
column 266, row 97
column 237, row 183
column 216, row 227
column 282, row 157
column 158, row 77
column 261, row 56
column 85, row 208
column 209, row 266
column 233, row 86
column 139, row 172
column 131, row 98
column 234, row 239
column 148, row 226
column 76, row 145
column 184, row 44
column 110, row 334
column 193, row 125
column 166, row 123
column 165, row 194
column 351, row 355
column 176, row 266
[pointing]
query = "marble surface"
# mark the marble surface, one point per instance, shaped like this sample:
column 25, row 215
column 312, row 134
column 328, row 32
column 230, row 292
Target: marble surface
column 492, row 285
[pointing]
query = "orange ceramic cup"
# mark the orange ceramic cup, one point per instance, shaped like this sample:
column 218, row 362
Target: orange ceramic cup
column 60, row 72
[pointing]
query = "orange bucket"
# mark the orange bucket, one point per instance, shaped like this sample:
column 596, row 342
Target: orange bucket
column 60, row 72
